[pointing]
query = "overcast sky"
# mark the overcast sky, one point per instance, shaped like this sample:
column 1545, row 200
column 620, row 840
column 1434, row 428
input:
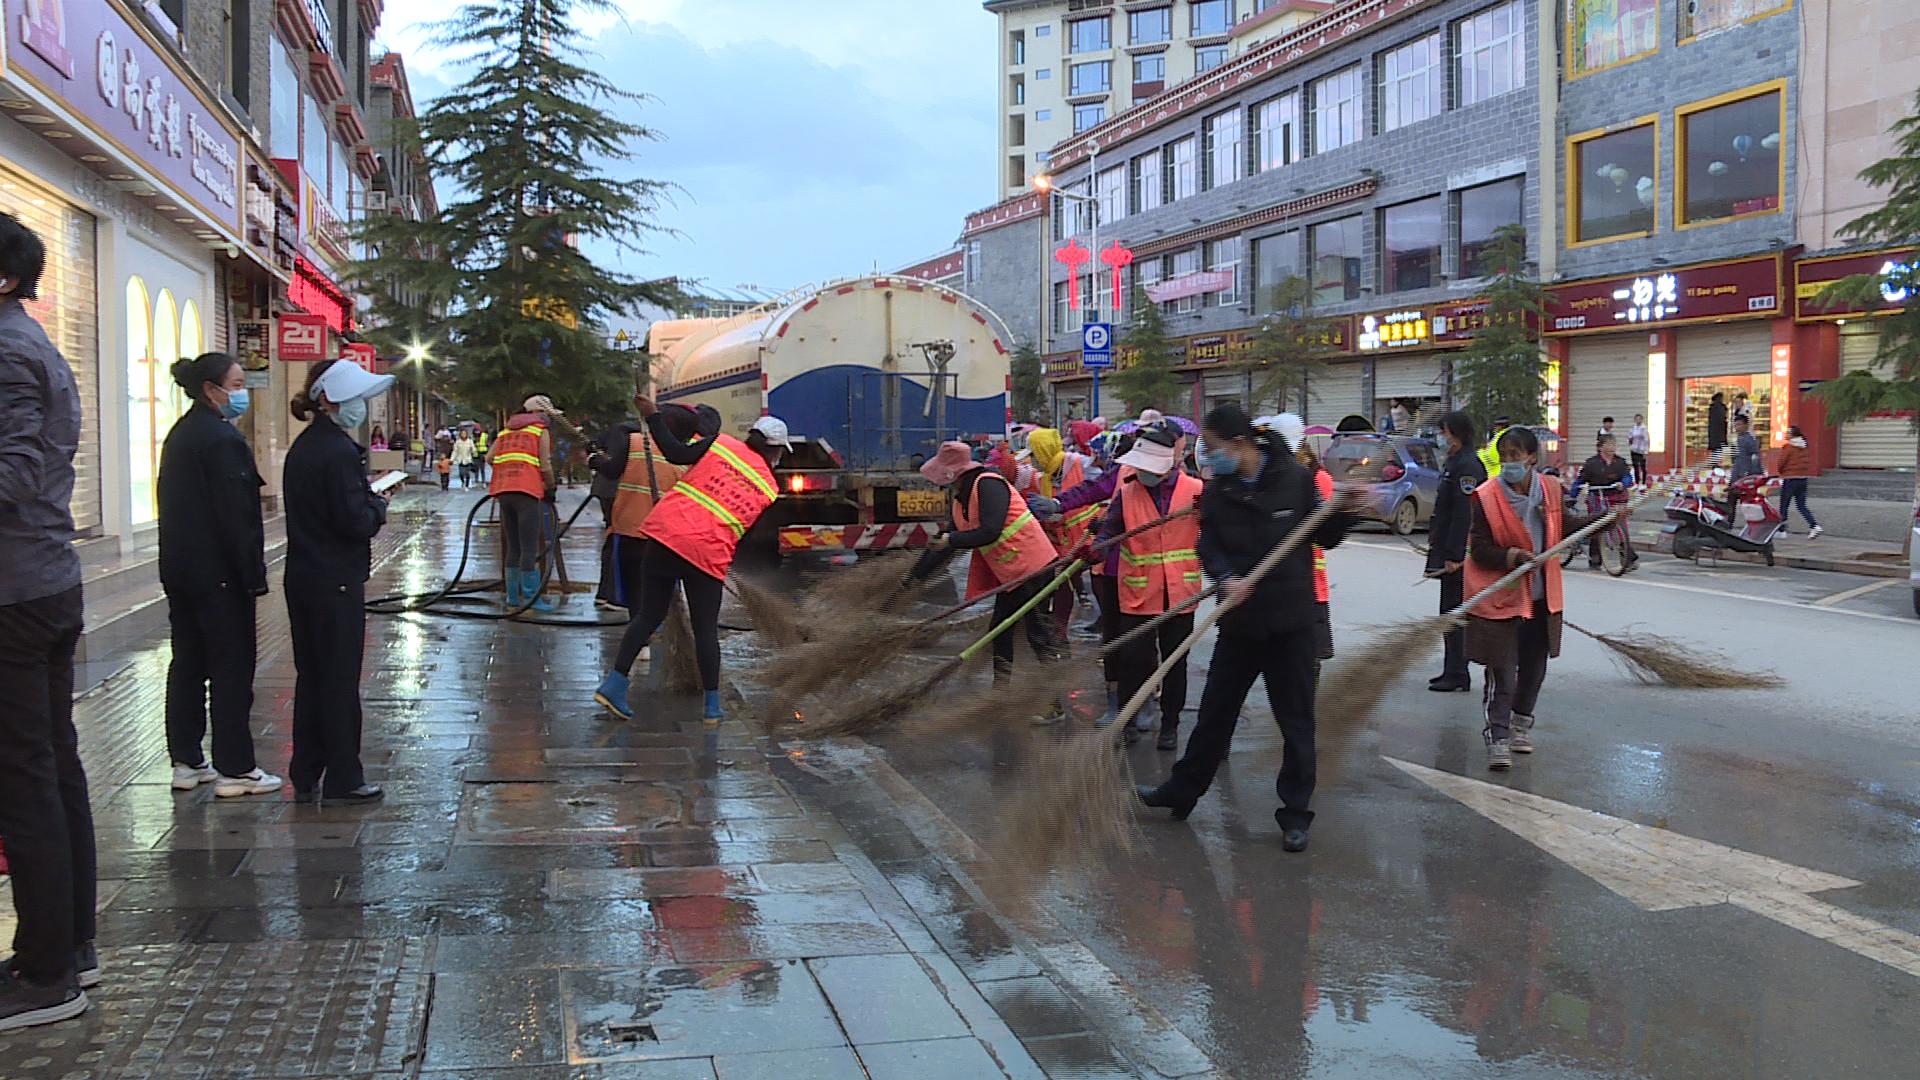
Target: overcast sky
column 812, row 138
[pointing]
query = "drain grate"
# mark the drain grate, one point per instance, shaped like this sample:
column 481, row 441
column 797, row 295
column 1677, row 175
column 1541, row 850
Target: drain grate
column 637, row 1032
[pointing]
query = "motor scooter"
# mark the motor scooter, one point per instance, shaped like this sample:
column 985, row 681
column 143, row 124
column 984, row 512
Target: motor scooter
column 1698, row 523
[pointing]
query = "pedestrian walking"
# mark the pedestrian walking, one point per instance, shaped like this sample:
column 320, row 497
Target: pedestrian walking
column 1517, row 515
column 480, row 460
column 642, row 478
column 213, row 567
column 463, row 452
column 1746, row 450
column 1716, row 425
column 332, row 516
column 1795, row 468
column 1606, row 429
column 1639, row 445
column 1258, row 494
column 1159, row 570
column 993, row 521
column 1402, row 420
column 1447, row 542
column 695, row 530
column 1606, row 468
column 45, row 818
column 523, row 481
column 444, row 467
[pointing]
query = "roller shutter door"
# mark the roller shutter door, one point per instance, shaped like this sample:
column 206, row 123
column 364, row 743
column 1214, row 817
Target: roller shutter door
column 1407, row 376
column 1876, row 442
column 1609, row 378
column 1335, row 393
column 1745, row 349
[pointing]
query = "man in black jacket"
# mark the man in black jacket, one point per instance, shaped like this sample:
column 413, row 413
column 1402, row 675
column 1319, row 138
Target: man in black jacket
column 1447, row 540
column 1257, row 496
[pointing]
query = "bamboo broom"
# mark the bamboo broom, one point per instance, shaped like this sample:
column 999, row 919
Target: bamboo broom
column 1654, row 659
column 680, row 666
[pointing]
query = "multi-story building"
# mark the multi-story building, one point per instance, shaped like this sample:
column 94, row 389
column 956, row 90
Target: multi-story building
column 191, row 165
column 1373, row 150
column 1067, row 65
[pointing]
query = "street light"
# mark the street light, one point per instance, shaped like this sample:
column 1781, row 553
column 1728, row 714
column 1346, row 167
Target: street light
column 1043, row 183
column 418, row 353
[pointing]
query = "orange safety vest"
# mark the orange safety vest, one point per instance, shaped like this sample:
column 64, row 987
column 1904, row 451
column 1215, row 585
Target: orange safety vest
column 713, row 505
column 1323, row 483
column 516, row 458
column 1021, row 549
column 1160, row 567
column 1516, row 600
column 1071, row 530
column 634, row 501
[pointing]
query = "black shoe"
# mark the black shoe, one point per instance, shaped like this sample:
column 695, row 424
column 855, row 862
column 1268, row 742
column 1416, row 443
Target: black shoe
column 1169, row 737
column 363, row 793
column 305, row 796
column 1294, row 840
column 1156, row 797
column 86, row 965
column 25, row 1004
column 1593, row 565
column 1445, row 685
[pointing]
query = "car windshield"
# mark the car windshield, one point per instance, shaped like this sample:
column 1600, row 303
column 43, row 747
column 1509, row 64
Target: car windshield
column 1358, row 457
column 1421, row 453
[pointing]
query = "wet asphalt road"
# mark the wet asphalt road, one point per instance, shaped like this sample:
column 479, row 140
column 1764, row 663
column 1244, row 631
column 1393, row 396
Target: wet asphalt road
column 1419, row 938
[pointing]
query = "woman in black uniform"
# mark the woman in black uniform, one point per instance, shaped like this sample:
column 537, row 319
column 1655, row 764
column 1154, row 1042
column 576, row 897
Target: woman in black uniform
column 332, row 516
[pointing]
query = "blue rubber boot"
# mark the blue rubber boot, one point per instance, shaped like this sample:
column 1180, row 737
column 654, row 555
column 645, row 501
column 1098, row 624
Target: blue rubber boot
column 612, row 695
column 710, row 710
column 530, row 586
column 511, row 582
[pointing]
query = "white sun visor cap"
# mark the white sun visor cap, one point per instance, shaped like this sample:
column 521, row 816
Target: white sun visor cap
column 1286, row 425
column 345, row 381
column 1150, row 456
column 774, row 430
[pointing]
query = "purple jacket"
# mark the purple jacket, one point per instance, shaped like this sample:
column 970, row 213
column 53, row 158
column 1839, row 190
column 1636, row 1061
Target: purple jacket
column 1099, row 489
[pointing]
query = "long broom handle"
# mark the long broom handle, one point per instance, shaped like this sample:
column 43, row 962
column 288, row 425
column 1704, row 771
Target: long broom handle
column 1604, row 521
column 1272, row 559
column 973, row 650
column 1059, row 562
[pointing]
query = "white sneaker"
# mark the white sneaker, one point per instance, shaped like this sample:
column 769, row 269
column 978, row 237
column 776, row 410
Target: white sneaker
column 257, row 782
column 188, row 777
column 1814, row 533
column 646, row 653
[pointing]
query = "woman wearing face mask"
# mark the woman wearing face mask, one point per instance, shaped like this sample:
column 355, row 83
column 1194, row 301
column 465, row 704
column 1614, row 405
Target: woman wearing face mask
column 1157, row 570
column 1517, row 515
column 213, row 567
column 332, row 516
column 1258, row 495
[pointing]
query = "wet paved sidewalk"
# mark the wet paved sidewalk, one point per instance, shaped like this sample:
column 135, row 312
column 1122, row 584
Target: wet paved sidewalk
column 543, row 894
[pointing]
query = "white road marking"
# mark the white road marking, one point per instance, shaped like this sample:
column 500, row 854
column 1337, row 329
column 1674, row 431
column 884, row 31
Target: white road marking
column 1843, row 597
column 1660, row 870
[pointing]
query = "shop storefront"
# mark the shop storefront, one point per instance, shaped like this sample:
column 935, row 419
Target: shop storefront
column 1842, row 339
column 1408, row 369
column 1663, row 343
column 1213, row 370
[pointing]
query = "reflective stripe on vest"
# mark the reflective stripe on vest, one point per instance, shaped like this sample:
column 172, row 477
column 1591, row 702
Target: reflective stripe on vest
column 712, row 505
column 1002, row 552
column 1022, row 547
column 516, row 462
column 1160, row 567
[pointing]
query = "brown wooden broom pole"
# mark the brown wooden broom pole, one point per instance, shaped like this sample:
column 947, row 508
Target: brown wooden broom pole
column 1055, row 565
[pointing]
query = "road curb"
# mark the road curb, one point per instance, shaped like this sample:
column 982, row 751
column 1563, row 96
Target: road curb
column 1833, row 564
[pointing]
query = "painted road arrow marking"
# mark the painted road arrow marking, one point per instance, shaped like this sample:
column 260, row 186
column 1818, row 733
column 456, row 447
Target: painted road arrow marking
column 1660, row 870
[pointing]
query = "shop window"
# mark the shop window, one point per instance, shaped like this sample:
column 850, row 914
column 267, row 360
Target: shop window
column 1731, row 164
column 1185, row 263
column 1411, row 236
column 1705, row 16
column 1484, row 210
column 1613, row 183
column 1602, row 33
column 191, row 343
column 1334, row 257
column 153, row 401
column 1277, row 131
column 1412, row 86
column 1275, row 259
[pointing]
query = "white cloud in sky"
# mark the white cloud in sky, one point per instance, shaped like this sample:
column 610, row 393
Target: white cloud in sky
column 811, row 139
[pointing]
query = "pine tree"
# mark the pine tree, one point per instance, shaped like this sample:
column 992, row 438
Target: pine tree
column 1029, row 389
column 1892, row 384
column 498, row 284
column 1503, row 372
column 1145, row 379
column 1287, row 353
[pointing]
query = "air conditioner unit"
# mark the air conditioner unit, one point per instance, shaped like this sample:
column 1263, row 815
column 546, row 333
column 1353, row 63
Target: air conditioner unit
column 376, row 202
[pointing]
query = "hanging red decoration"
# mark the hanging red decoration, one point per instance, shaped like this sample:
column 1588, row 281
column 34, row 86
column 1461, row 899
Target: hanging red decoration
column 1073, row 256
column 1117, row 258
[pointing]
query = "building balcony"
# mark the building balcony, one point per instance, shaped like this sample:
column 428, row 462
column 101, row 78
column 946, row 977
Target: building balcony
column 370, row 12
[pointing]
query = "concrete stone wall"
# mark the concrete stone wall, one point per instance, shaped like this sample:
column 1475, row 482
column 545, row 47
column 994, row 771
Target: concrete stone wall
column 1003, row 272
column 1845, row 120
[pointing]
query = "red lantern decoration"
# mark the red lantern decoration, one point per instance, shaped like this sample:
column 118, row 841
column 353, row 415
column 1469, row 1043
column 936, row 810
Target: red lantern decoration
column 1117, row 258
column 1073, row 256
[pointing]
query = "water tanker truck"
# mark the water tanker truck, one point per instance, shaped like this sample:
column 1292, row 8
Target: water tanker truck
column 870, row 374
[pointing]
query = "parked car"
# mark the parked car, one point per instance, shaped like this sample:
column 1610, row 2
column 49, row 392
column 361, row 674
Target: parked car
column 1404, row 473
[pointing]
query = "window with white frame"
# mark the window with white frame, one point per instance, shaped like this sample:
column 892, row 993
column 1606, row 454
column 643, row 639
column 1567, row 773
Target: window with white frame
column 1147, row 271
column 1090, row 78
column 1336, row 110
column 1208, row 57
column 1412, row 83
column 1183, row 179
column 1086, row 116
column 1090, row 35
column 1110, row 194
column 1083, row 206
column 1062, row 310
column 1492, row 56
column 1146, row 181
column 1277, row 131
column 1102, row 293
column 1224, row 255
column 1184, row 263
column 1087, row 298
column 1224, row 148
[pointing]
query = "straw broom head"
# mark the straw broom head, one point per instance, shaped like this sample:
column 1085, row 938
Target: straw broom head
column 1657, row 660
column 877, row 705
column 774, row 618
column 680, row 669
column 1071, row 810
column 868, row 585
column 1352, row 687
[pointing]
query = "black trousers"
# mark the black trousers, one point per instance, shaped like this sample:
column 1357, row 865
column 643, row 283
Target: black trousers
column 662, row 570
column 1453, row 593
column 1640, row 468
column 1106, row 594
column 609, row 573
column 213, row 656
column 1287, row 663
column 521, row 517
column 1139, row 659
column 1038, row 624
column 45, row 818
column 329, row 624
column 1516, row 669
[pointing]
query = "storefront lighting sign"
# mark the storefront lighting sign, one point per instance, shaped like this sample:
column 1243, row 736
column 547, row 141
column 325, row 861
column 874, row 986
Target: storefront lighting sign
column 1394, row 330
column 1782, row 380
column 1657, row 402
column 1649, row 299
column 1550, row 397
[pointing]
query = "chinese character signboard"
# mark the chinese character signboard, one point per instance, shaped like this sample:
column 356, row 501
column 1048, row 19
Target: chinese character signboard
column 1708, row 293
column 300, row 337
column 362, row 354
column 1206, row 281
column 1395, row 330
column 1811, row 277
column 1462, row 320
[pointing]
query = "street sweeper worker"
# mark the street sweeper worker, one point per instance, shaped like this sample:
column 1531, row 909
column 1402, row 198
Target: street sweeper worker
column 1490, row 453
column 1258, row 494
column 522, row 460
column 1056, row 470
column 1516, row 515
column 1159, row 569
column 694, row 531
column 1098, row 492
column 642, row 477
column 992, row 521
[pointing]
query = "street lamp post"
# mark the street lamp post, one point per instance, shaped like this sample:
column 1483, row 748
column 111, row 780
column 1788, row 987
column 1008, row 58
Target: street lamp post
column 1043, row 183
column 418, row 354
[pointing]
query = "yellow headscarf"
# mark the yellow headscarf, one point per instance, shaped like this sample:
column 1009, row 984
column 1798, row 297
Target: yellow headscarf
column 1048, row 455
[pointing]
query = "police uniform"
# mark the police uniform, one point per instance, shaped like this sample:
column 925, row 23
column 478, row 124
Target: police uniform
column 1463, row 473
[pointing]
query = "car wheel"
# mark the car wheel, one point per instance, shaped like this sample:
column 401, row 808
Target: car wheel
column 1404, row 517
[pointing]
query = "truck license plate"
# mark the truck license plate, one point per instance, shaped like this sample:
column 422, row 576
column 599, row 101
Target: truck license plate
column 921, row 503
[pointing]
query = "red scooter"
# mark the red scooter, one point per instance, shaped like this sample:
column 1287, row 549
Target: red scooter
column 1698, row 524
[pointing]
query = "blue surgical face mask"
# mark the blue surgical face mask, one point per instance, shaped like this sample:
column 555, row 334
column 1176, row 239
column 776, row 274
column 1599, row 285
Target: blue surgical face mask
column 1514, row 472
column 1222, row 462
column 352, row 413
column 237, row 402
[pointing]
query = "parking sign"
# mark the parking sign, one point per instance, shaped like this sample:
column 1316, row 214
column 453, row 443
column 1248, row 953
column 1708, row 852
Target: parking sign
column 1096, row 345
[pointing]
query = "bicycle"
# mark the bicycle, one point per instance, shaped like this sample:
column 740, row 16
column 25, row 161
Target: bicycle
column 1614, row 540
